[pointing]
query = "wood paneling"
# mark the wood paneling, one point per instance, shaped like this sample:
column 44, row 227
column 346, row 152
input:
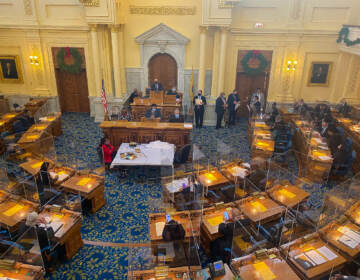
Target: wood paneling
column 164, row 68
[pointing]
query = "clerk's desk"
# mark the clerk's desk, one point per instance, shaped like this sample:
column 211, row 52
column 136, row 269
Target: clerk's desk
column 23, row 271
column 14, row 210
column 145, row 132
column 352, row 130
column 90, row 187
column 8, row 119
column 335, row 230
column 306, row 244
column 314, row 154
column 190, row 220
column 70, row 233
column 259, row 208
column 269, row 265
column 287, row 194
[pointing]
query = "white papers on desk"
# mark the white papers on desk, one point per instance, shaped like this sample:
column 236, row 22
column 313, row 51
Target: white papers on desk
column 350, row 238
column 347, row 241
column 325, row 158
column 327, row 253
column 159, row 226
column 315, row 257
column 60, row 177
column 188, row 125
column 247, row 165
column 176, row 185
column 239, row 172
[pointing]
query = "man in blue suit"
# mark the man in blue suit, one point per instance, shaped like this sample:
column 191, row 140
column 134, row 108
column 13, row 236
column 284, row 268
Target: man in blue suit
column 156, row 86
column 153, row 112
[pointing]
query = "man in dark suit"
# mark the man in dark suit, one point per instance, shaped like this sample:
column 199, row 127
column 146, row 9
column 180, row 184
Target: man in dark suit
column 324, row 130
column 156, row 86
column 199, row 108
column 232, row 102
column 153, row 112
column 133, row 95
column 176, row 117
column 256, row 106
column 220, row 107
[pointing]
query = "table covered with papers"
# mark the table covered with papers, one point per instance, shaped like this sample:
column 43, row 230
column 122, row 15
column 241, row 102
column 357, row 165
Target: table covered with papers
column 153, row 154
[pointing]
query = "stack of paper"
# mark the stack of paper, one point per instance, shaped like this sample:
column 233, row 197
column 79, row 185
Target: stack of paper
column 239, row 172
column 350, row 238
column 159, row 226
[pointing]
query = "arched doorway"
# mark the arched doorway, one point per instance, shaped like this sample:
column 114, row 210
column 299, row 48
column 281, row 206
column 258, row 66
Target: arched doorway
column 163, row 67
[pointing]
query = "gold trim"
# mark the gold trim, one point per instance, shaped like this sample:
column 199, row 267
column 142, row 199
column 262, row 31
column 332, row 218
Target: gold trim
column 163, row 10
column 19, row 80
column 90, row 3
column 309, row 84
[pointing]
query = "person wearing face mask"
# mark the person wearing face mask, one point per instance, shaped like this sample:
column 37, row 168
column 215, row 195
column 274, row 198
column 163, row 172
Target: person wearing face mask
column 176, row 117
column 153, row 112
column 172, row 91
column 220, row 109
column 199, row 108
column 232, row 103
column 156, row 86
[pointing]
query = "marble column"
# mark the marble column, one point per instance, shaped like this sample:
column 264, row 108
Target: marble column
column 222, row 59
column 215, row 66
column 122, row 58
column 95, row 58
column 116, row 59
column 201, row 80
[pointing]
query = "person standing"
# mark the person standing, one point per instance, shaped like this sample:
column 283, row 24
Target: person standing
column 220, row 109
column 260, row 96
column 199, row 108
column 156, row 86
column 232, row 103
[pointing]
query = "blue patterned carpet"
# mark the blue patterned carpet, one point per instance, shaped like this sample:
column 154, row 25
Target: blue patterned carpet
column 125, row 217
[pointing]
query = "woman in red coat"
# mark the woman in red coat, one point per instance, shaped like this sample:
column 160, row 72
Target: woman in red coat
column 108, row 152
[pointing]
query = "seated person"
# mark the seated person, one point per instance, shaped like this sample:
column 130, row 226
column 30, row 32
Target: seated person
column 124, row 115
column 324, row 129
column 172, row 91
column 256, row 105
column 341, row 155
column 133, row 95
column 334, row 139
column 343, row 108
column 26, row 119
column 176, row 117
column 322, row 110
column 274, row 112
column 280, row 127
column 300, row 107
column 153, row 112
column 156, row 86
column 43, row 180
column 109, row 151
column 173, row 231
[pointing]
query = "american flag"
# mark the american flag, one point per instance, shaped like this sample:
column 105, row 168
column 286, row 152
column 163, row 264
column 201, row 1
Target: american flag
column 103, row 97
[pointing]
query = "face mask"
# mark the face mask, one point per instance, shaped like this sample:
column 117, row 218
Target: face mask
column 199, row 94
column 177, row 116
column 153, row 110
column 174, row 89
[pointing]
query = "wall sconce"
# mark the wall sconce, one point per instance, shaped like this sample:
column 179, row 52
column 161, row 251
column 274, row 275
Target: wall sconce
column 34, row 60
column 291, row 65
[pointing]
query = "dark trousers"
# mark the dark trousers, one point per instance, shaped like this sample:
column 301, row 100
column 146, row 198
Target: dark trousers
column 219, row 116
column 199, row 116
column 232, row 115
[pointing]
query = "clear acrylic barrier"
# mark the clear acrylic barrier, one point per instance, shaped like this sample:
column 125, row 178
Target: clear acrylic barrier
column 22, row 257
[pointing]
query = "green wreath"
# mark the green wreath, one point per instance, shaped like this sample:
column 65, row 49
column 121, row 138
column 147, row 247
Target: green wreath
column 74, row 68
column 344, row 37
column 254, row 71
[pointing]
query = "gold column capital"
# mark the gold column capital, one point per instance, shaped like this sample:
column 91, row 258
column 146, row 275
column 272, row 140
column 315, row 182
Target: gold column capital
column 224, row 29
column 203, row 29
column 116, row 27
column 93, row 27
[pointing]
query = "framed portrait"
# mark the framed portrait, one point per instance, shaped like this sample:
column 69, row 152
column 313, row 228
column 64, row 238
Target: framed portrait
column 10, row 69
column 319, row 75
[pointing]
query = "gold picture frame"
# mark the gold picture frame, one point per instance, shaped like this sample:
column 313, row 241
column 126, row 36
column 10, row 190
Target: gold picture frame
column 319, row 74
column 10, row 69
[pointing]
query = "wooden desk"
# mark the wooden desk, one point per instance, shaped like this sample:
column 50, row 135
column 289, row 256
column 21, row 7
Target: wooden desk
column 173, row 273
column 262, row 147
column 182, row 217
column 32, row 166
column 34, row 105
column 287, row 194
column 145, row 132
column 55, row 124
column 260, row 209
column 212, row 179
column 231, row 169
column 299, row 246
column 14, row 211
column 286, row 114
column 332, row 233
column 37, row 141
column 8, row 119
column 70, row 233
column 23, row 271
column 59, row 174
column 272, row 265
column 90, row 187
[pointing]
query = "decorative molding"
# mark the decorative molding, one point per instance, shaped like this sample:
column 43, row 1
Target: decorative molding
column 163, row 10
column 295, row 9
column 228, row 4
column 90, row 3
column 354, row 78
column 28, row 8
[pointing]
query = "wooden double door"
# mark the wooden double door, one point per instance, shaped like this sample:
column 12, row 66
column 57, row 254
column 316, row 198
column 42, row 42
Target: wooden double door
column 72, row 88
column 164, row 68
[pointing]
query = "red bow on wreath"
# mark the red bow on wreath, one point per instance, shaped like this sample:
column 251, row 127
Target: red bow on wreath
column 254, row 56
column 67, row 52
